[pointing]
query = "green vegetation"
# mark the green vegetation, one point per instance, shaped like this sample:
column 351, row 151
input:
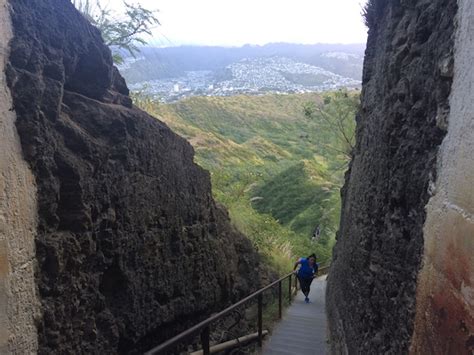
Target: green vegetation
column 121, row 33
column 273, row 162
column 336, row 117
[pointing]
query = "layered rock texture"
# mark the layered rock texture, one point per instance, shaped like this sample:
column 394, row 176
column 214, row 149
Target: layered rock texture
column 129, row 245
column 403, row 272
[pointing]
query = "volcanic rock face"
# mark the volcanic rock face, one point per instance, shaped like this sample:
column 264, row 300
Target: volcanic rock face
column 130, row 246
column 400, row 162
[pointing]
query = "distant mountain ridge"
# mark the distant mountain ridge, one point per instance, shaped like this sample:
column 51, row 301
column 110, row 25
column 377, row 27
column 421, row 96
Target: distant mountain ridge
column 176, row 72
column 175, row 61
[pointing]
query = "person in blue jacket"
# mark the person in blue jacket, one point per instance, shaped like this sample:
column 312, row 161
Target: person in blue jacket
column 308, row 270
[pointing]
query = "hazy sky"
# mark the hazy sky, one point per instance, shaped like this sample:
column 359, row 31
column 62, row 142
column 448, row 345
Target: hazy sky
column 238, row 22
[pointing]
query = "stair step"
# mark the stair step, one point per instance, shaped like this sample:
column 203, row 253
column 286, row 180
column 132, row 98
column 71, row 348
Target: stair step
column 302, row 330
column 296, row 344
column 271, row 351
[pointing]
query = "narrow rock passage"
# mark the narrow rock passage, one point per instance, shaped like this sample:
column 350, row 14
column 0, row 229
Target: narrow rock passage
column 303, row 328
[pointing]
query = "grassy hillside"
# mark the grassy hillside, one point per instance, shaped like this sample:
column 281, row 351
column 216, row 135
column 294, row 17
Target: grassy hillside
column 271, row 166
column 299, row 197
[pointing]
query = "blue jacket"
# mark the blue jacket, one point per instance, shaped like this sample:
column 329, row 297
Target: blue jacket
column 306, row 271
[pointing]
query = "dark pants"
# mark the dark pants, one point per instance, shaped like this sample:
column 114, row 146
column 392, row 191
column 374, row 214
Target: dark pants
column 305, row 284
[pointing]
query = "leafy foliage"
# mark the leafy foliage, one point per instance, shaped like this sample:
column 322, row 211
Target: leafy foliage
column 336, row 115
column 270, row 165
column 120, row 33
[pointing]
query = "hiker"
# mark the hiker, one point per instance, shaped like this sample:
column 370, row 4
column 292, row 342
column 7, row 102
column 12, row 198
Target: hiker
column 316, row 234
column 307, row 271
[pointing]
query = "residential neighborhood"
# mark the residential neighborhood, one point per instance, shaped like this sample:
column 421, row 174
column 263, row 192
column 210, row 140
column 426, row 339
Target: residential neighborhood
column 248, row 76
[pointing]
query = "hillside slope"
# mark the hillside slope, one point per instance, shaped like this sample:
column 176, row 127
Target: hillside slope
column 301, row 197
column 270, row 165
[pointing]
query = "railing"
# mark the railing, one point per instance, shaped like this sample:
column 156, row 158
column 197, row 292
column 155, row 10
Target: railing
column 204, row 327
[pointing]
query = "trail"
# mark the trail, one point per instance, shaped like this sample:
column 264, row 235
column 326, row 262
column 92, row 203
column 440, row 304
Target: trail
column 303, row 327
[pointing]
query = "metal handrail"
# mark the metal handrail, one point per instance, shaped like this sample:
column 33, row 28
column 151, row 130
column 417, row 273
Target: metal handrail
column 204, row 326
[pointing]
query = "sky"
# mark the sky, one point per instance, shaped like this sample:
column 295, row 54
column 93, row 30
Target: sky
column 239, row 22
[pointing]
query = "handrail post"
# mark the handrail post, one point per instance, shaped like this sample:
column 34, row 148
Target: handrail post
column 280, row 303
column 260, row 319
column 205, row 335
column 296, row 285
column 289, row 289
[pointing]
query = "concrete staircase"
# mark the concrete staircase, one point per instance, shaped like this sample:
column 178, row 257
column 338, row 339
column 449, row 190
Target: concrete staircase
column 303, row 328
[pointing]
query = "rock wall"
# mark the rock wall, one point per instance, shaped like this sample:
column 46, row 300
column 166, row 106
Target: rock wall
column 445, row 295
column 408, row 73
column 130, row 246
column 18, row 296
